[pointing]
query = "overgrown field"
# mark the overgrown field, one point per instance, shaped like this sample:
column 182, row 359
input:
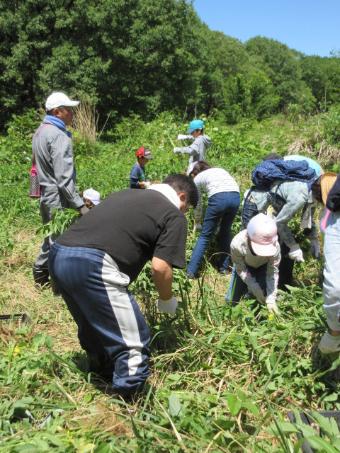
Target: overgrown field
column 223, row 379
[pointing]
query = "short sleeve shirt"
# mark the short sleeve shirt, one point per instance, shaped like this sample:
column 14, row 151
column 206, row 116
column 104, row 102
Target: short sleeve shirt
column 132, row 227
column 137, row 174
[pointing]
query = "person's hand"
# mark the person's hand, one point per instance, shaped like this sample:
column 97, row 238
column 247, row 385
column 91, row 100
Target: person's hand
column 147, row 184
column 83, row 210
column 177, row 150
column 272, row 307
column 296, row 255
column 315, row 248
column 167, row 306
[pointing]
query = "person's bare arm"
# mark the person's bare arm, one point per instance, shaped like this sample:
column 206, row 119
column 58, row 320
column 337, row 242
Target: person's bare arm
column 162, row 277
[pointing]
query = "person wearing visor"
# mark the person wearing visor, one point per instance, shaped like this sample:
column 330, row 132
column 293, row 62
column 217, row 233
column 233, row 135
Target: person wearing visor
column 137, row 174
column 53, row 157
column 201, row 142
column 255, row 253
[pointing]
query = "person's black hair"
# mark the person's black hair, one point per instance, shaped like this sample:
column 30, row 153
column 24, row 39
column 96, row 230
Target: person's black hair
column 182, row 183
column 273, row 156
column 200, row 166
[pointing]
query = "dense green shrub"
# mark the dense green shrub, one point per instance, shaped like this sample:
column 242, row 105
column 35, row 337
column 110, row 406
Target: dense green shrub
column 147, row 56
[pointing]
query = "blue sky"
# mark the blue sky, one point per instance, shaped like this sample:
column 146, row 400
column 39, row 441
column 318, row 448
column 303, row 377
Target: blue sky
column 311, row 27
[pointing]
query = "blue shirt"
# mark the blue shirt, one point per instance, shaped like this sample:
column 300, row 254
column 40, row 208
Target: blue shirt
column 137, row 175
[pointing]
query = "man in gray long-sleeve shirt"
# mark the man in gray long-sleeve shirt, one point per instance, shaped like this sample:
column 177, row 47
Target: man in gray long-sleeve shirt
column 53, row 155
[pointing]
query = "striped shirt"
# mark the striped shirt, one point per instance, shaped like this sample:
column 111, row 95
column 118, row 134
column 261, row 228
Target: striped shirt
column 215, row 180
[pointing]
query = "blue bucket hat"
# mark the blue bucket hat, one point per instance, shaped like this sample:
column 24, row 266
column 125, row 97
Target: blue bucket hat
column 195, row 124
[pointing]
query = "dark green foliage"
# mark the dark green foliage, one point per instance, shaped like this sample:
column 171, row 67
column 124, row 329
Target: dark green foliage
column 323, row 77
column 282, row 66
column 148, row 56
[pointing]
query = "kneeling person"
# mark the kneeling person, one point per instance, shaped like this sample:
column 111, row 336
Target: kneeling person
column 94, row 261
column 255, row 253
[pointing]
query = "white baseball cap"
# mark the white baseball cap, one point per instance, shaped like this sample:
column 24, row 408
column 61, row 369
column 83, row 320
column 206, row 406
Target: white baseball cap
column 92, row 195
column 58, row 99
column 262, row 232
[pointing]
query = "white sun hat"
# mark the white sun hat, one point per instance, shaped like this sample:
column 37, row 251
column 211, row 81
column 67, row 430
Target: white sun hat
column 262, row 232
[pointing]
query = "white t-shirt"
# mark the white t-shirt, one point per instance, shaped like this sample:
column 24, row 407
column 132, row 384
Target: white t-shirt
column 215, row 180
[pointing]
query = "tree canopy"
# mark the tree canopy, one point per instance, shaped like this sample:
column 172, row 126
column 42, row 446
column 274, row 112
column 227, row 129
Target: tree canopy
column 147, row 56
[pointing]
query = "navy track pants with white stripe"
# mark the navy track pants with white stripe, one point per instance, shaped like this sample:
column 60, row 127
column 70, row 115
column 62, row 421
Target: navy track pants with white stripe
column 111, row 326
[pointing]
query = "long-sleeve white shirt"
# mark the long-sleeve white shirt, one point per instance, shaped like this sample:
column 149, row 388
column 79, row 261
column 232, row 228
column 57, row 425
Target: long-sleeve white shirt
column 215, row 180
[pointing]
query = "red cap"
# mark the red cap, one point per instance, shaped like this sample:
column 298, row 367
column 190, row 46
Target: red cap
column 143, row 152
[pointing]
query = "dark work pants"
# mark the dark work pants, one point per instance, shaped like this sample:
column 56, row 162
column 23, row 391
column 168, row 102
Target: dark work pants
column 111, row 326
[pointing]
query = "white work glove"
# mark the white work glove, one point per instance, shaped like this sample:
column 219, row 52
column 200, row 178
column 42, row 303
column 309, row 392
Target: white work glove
column 147, row 184
column 272, row 307
column 83, row 210
column 197, row 227
column 329, row 343
column 184, row 137
column 315, row 248
column 167, row 306
column 177, row 150
column 296, row 255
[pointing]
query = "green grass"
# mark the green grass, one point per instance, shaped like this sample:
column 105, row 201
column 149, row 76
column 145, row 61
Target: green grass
column 222, row 378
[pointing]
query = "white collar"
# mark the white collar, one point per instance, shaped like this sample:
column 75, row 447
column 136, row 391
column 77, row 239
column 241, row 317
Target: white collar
column 168, row 192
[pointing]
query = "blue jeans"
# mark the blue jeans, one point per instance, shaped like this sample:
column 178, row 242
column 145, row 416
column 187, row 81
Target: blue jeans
column 222, row 208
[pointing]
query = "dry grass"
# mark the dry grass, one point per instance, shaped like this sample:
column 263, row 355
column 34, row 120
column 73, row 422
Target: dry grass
column 85, row 122
column 321, row 151
column 102, row 416
column 18, row 294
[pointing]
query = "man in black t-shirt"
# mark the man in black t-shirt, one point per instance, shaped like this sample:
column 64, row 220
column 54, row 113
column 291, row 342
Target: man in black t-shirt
column 96, row 259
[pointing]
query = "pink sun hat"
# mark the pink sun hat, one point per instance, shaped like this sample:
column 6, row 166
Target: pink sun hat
column 262, row 232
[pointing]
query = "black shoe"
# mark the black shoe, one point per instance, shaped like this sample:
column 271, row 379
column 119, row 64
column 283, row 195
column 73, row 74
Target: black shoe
column 55, row 288
column 41, row 276
column 191, row 276
column 100, row 365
